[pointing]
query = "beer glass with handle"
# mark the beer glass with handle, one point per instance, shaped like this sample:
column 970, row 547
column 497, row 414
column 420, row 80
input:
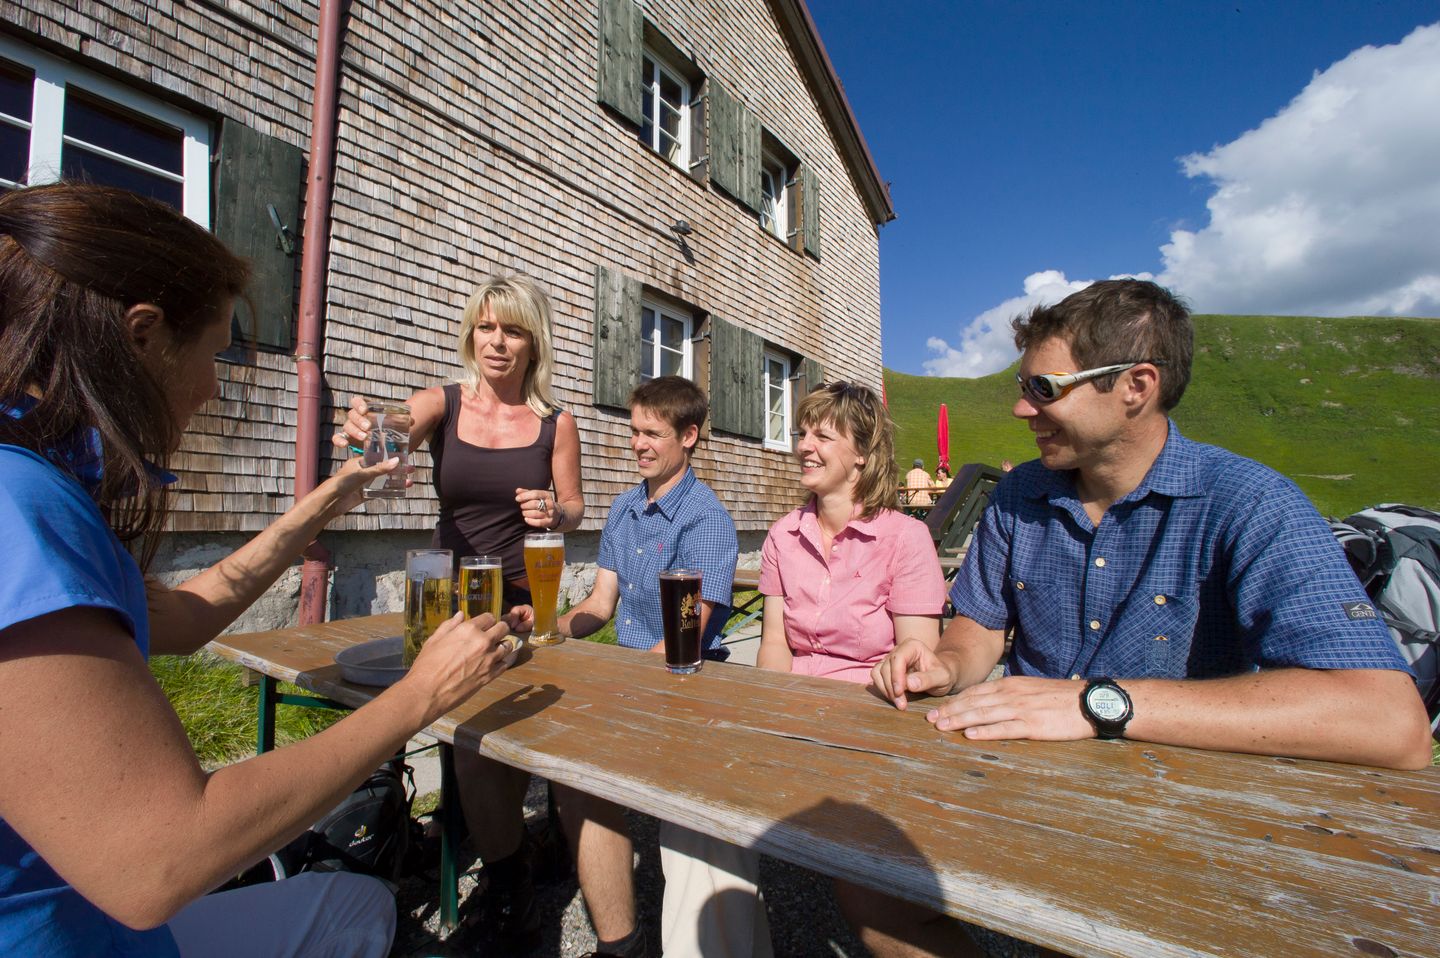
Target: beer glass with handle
column 480, row 586
column 428, row 585
column 544, row 562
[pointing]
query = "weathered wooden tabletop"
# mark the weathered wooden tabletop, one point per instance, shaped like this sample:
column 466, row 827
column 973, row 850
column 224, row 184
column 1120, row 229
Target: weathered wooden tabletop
column 1093, row 848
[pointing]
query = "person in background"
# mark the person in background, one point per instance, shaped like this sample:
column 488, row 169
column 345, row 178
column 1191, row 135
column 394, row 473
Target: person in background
column 845, row 577
column 942, row 477
column 112, row 309
column 506, row 462
column 917, row 480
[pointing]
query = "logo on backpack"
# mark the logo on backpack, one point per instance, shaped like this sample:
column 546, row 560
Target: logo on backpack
column 1358, row 610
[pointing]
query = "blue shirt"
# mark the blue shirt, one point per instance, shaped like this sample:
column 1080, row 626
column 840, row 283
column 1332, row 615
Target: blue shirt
column 60, row 553
column 1214, row 565
column 687, row 528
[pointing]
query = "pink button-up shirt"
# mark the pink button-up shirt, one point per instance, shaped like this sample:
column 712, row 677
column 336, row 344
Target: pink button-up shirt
column 838, row 608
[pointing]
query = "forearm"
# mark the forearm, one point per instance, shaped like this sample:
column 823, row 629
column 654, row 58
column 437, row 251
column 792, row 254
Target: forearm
column 186, row 617
column 775, row 656
column 585, row 619
column 969, row 653
column 1364, row 717
column 571, row 513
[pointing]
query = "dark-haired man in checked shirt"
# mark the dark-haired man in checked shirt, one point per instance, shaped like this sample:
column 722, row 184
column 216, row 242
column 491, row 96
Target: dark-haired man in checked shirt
column 669, row 520
column 1195, row 597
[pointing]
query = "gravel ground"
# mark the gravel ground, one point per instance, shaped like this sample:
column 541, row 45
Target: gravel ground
column 804, row 920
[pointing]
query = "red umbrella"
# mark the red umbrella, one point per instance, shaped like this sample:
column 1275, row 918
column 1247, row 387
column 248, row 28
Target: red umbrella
column 942, row 437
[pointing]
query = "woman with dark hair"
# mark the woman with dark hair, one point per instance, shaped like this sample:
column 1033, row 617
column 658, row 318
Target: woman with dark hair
column 112, row 308
column 507, row 462
column 846, row 577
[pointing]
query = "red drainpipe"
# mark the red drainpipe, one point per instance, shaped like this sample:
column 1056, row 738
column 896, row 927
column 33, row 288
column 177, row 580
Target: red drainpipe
column 314, row 259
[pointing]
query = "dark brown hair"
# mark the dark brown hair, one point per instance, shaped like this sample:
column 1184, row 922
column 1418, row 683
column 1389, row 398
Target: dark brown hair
column 859, row 413
column 73, row 259
column 674, row 399
column 1116, row 321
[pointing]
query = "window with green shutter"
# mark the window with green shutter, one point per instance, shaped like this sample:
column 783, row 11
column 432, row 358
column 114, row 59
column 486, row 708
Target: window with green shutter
column 257, row 210
column 618, row 352
column 737, row 369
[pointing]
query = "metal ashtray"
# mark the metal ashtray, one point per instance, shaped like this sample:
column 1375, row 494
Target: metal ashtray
column 377, row 662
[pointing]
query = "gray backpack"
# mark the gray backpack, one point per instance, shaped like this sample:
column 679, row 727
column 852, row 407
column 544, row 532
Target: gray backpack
column 1395, row 552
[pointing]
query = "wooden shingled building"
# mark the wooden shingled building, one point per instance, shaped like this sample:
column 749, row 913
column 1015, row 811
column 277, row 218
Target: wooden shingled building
column 685, row 177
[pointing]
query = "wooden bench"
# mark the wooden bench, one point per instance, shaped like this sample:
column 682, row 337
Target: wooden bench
column 1093, row 848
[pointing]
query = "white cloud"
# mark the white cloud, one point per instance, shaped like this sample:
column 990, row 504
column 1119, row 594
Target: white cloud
column 987, row 344
column 1329, row 208
column 1332, row 206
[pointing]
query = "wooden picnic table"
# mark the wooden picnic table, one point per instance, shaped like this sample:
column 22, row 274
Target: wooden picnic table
column 1093, row 848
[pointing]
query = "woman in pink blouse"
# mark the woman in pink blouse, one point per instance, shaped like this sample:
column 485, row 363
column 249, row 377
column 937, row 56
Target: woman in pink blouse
column 845, row 577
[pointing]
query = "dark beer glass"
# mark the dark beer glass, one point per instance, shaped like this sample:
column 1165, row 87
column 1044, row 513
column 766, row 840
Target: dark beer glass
column 680, row 613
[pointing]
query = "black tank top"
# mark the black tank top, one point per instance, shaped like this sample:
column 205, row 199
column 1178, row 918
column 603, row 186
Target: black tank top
column 476, row 487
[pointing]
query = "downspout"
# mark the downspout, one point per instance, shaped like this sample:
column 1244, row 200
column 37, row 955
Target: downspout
column 315, row 255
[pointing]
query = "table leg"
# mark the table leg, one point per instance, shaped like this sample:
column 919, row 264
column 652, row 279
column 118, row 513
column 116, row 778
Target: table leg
column 265, row 718
column 451, row 832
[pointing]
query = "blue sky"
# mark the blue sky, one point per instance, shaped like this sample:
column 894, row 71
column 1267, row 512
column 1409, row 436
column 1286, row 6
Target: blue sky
column 1045, row 140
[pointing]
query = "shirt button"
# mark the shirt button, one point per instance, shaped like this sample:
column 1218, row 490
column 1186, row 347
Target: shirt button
column 630, row 586
column 1159, row 600
column 627, row 621
column 1094, row 625
column 1075, row 677
column 1020, row 586
column 1100, row 562
column 639, row 552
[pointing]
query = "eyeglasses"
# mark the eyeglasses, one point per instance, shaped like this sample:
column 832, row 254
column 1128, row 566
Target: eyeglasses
column 1045, row 388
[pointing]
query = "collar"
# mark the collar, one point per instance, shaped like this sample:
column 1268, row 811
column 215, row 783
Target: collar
column 806, row 525
column 669, row 504
column 1175, row 473
column 80, row 454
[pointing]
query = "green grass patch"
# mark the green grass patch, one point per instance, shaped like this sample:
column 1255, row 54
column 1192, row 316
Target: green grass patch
column 219, row 713
column 1347, row 408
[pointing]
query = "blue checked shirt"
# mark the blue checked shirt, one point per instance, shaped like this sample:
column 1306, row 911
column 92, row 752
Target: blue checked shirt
column 687, row 528
column 1214, row 565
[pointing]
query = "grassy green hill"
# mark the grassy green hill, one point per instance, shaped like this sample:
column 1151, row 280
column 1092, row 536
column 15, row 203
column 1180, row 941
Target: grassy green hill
column 1348, row 408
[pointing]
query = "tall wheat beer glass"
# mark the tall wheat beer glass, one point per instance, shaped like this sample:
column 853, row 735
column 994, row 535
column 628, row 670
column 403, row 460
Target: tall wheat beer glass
column 544, row 561
column 480, row 586
column 428, row 585
column 680, row 615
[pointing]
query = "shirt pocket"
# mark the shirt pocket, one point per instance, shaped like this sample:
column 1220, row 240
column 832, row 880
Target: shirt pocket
column 1162, row 624
column 1045, row 634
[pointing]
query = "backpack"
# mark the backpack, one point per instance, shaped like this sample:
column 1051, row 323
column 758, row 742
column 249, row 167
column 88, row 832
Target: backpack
column 369, row 833
column 1395, row 552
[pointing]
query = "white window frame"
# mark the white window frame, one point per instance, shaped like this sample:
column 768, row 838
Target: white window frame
column 652, row 83
column 687, row 344
column 774, row 168
column 771, row 356
column 54, row 76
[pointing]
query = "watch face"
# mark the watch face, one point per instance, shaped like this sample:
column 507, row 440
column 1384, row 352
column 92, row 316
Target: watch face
column 1106, row 703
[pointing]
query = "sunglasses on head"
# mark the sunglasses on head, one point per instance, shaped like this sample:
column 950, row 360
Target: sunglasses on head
column 1048, row 387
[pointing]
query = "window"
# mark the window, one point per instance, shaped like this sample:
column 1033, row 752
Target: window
column 666, row 349
column 774, row 196
column 777, row 401
column 58, row 119
column 665, row 103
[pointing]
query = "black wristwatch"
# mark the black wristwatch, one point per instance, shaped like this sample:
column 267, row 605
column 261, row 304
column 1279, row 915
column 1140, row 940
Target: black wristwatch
column 1107, row 707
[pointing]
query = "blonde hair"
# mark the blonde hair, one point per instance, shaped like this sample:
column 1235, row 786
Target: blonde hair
column 860, row 414
column 514, row 300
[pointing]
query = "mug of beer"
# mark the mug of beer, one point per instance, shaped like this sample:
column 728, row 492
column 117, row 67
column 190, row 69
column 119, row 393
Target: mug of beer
column 389, row 437
column 428, row 584
column 680, row 615
column 480, row 586
column 544, row 561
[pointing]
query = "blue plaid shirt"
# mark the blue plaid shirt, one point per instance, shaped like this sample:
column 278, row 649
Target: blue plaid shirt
column 1214, row 565
column 687, row 528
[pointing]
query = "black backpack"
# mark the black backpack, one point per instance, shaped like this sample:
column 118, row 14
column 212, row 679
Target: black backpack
column 369, row 832
column 1395, row 552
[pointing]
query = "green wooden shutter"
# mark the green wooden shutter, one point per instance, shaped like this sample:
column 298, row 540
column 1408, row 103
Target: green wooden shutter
column 622, row 29
column 812, row 376
column 737, row 379
column 256, row 172
column 734, row 147
column 617, row 349
column 810, row 209
column 699, row 140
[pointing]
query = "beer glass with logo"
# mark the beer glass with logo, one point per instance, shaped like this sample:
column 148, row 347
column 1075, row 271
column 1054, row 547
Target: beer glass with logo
column 480, row 586
column 544, row 561
column 680, row 615
column 389, row 437
column 428, row 586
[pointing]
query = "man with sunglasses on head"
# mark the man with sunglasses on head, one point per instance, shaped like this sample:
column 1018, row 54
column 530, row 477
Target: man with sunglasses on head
column 1158, row 589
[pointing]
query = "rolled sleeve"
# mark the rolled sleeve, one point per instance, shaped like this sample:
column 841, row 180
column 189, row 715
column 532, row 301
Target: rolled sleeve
column 918, row 585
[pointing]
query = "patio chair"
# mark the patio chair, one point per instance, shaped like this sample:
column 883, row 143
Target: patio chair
column 953, row 517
